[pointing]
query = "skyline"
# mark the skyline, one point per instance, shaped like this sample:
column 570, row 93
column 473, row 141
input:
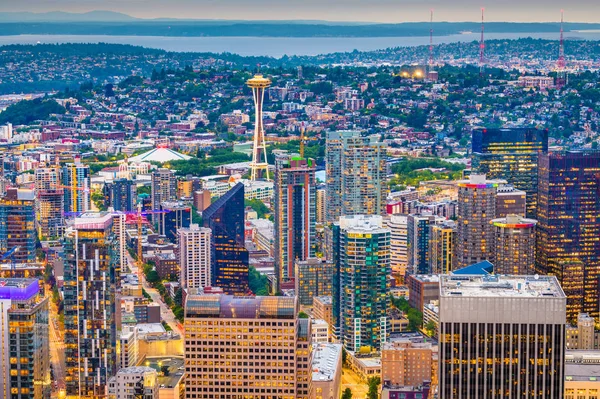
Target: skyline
column 377, row 11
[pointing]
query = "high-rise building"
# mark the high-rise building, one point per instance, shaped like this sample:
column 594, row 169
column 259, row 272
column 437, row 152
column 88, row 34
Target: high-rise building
column 511, row 155
column 398, row 225
column 356, row 175
column 49, row 202
column 321, row 200
column 24, row 344
column 569, row 226
column 418, row 237
column 514, row 245
column 501, row 337
column 333, row 160
column 253, row 347
column 295, row 213
column 17, row 224
column 164, row 188
column 230, row 258
column 195, row 257
column 122, row 195
column 76, row 184
column 128, row 349
column 476, row 208
column 89, row 304
column 313, row 278
column 202, row 200
column 362, row 266
column 176, row 215
column 134, row 383
column 442, row 243
column 510, row 201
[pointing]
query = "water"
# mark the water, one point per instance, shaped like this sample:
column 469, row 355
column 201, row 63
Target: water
column 279, row 46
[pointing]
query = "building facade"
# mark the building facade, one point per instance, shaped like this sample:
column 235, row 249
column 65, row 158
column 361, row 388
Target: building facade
column 121, row 195
column 442, row 244
column 517, row 350
column 134, row 383
column 176, row 215
column 333, row 160
column 295, row 213
column 511, row 155
column 24, row 342
column 49, row 202
column 418, row 237
column 476, row 208
column 76, row 184
column 313, row 278
column 569, row 226
column 17, row 225
column 398, row 225
column 230, row 258
column 89, row 304
column 195, row 257
column 246, row 346
column 163, row 188
column 514, row 245
column 510, row 201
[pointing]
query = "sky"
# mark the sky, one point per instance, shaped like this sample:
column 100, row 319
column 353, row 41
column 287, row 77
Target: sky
column 333, row 10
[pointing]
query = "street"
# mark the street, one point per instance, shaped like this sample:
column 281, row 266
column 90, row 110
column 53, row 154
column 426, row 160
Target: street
column 351, row 380
column 57, row 348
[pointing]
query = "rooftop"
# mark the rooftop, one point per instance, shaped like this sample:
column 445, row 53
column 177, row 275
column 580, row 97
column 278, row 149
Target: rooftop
column 363, row 223
column 21, row 289
column 500, row 286
column 233, row 307
column 176, row 370
column 326, row 360
column 325, row 300
column 161, row 155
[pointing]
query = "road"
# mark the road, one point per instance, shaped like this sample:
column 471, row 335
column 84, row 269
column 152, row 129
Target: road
column 166, row 313
column 57, row 348
column 351, row 380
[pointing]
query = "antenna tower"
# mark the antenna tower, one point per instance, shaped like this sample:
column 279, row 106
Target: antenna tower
column 560, row 63
column 481, row 45
column 431, row 41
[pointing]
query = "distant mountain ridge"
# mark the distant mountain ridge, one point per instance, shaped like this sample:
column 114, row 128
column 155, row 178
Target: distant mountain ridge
column 61, row 16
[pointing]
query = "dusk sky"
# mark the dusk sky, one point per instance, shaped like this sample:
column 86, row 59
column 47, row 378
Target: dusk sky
column 333, row 10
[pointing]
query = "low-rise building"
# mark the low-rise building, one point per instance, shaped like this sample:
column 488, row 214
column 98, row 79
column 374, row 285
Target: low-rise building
column 326, row 371
column 320, row 331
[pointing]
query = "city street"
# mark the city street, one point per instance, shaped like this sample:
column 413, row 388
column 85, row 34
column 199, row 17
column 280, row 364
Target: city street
column 57, row 348
column 351, row 380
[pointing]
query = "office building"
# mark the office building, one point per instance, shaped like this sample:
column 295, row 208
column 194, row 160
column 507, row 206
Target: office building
column 202, row 200
column 313, row 278
column 514, row 245
column 89, row 304
column 442, row 244
column 422, row 289
column 418, row 237
column 476, row 207
column 76, row 183
column 581, row 374
column 230, row 258
column 121, row 195
column 195, row 257
column 134, row 383
column 322, row 309
column 24, row 342
column 166, row 265
column 356, row 174
column 510, row 201
column 569, row 226
column 327, row 371
column 398, row 225
column 511, row 155
column 128, row 349
column 364, row 264
column 49, row 203
column 409, row 361
column 295, row 203
column 17, row 225
column 276, row 360
column 163, row 188
column 177, row 215
column 515, row 351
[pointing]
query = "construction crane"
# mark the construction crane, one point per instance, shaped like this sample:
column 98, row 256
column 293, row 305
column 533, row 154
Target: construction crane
column 302, row 129
column 10, row 254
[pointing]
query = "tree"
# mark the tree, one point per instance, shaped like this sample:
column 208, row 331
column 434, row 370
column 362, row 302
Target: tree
column 302, row 315
column 430, row 328
column 347, row 394
column 373, row 388
column 152, row 277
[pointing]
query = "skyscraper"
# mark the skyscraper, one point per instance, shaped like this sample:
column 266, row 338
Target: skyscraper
column 418, row 236
column 164, row 188
column 24, row 345
column 333, row 164
column 501, row 337
column 313, row 277
column 76, row 185
column 121, row 195
column 398, row 225
column 253, row 347
column 442, row 244
column 363, row 267
column 476, row 208
column 510, row 201
column 17, row 224
column 89, row 302
column 195, row 256
column 514, row 245
column 511, row 155
column 295, row 202
column 49, row 202
column 568, row 228
column 230, row 258
column 176, row 215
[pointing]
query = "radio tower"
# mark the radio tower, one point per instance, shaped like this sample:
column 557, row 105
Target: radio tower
column 560, row 63
column 481, row 45
column 431, row 41
column 258, row 84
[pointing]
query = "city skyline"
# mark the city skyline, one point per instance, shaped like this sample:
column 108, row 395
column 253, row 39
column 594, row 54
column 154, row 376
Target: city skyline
column 377, row 11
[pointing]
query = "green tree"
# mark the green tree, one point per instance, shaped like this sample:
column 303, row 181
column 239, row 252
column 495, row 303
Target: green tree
column 302, row 315
column 373, row 388
column 347, row 394
column 152, row 277
column 430, row 328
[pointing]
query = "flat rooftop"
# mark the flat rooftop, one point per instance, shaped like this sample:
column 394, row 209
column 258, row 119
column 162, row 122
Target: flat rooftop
column 326, row 360
column 176, row 367
column 500, row 286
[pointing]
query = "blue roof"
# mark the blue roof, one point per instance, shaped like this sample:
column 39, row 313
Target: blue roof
column 481, row 268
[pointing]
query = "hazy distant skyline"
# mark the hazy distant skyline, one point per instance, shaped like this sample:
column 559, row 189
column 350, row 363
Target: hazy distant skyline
column 394, row 11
